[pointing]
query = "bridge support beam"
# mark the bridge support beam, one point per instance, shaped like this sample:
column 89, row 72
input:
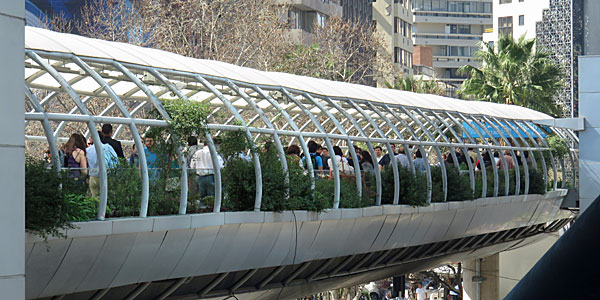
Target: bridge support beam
column 589, row 138
column 12, row 150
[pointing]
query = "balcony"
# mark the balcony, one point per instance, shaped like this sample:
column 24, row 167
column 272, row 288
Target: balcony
column 330, row 8
column 449, row 39
column 454, row 61
column 452, row 17
column 403, row 42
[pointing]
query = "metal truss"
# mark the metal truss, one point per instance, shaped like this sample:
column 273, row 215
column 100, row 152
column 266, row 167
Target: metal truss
column 285, row 115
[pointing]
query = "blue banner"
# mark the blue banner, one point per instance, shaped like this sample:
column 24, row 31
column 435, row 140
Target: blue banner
column 476, row 131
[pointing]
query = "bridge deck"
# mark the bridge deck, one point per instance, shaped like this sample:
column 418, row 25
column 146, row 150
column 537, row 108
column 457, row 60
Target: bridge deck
column 119, row 253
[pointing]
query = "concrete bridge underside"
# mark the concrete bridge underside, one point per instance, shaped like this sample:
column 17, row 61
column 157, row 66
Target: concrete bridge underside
column 265, row 255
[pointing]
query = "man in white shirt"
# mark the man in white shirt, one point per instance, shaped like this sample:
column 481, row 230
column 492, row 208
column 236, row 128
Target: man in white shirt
column 421, row 292
column 202, row 162
column 401, row 158
column 92, row 162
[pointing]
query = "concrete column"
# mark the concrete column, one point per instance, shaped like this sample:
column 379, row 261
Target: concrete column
column 591, row 23
column 514, row 264
column 12, row 150
column 589, row 139
column 480, row 280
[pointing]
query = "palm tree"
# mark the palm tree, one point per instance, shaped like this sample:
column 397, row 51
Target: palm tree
column 514, row 73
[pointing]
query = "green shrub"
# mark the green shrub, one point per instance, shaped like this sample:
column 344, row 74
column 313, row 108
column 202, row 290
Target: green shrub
column 81, row 208
column 349, row 198
column 163, row 200
column 124, row 190
column 558, row 146
column 459, row 185
column 413, row 187
column 53, row 200
column 536, row 182
column 240, row 185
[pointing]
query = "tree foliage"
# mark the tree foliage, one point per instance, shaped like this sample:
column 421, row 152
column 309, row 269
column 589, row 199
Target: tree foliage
column 341, row 51
column 417, row 85
column 514, row 72
column 54, row 200
column 249, row 33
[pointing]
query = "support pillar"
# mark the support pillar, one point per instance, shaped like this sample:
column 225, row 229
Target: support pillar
column 12, row 150
column 514, row 264
column 589, row 138
column 480, row 278
column 398, row 286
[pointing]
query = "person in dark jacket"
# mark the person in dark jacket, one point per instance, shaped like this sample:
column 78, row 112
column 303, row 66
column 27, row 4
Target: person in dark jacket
column 107, row 131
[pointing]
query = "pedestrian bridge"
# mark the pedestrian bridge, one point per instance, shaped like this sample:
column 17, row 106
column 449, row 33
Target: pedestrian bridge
column 261, row 254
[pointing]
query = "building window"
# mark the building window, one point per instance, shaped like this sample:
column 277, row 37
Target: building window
column 406, row 59
column 397, row 55
column 396, row 24
column 505, row 1
column 295, row 18
column 321, row 20
column 521, row 20
column 459, row 51
column 505, row 26
column 458, row 28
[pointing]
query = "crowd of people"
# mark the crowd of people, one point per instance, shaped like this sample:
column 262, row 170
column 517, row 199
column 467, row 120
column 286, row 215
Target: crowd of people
column 81, row 159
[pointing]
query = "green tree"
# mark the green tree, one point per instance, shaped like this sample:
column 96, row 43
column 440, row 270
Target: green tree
column 418, row 85
column 514, row 72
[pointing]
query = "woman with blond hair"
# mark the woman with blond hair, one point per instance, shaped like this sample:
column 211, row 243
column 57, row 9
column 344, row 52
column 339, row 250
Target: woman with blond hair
column 75, row 156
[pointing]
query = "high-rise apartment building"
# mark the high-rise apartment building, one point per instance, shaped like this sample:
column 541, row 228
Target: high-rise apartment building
column 516, row 18
column 454, row 30
column 393, row 19
column 561, row 33
column 303, row 15
column 358, row 10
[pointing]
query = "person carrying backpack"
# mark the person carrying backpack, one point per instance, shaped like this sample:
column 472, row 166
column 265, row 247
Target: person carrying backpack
column 317, row 161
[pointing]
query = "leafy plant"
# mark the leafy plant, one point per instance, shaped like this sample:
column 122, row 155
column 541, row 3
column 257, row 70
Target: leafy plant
column 419, row 85
column 558, row 146
column 53, row 200
column 413, row 187
column 459, row 185
column 81, row 208
column 188, row 118
column 124, row 190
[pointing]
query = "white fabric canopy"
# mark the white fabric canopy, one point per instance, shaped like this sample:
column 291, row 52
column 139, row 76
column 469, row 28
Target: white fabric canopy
column 42, row 39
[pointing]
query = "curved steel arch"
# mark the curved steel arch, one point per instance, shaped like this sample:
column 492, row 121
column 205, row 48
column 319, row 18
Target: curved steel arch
column 328, row 116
